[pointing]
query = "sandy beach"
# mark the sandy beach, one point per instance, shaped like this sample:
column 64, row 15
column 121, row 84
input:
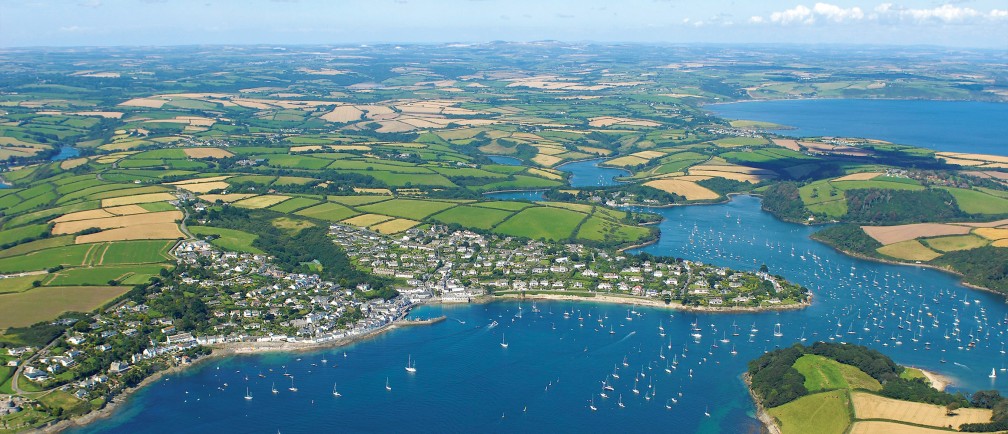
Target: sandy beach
column 938, row 381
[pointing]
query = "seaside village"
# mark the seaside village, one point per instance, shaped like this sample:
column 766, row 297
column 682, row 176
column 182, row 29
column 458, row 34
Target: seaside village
column 242, row 300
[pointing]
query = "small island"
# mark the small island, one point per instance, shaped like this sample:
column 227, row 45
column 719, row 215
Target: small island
column 845, row 388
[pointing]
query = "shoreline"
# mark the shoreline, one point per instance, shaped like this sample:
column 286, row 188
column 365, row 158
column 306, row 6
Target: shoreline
column 627, row 300
column 959, row 275
column 220, row 351
column 761, row 414
column 938, row 381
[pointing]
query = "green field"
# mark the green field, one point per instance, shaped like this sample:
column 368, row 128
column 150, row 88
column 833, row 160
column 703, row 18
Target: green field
column 955, row 242
column 124, row 274
column 228, row 239
column 45, row 303
column 542, row 222
column 822, row 373
column 15, row 235
column 328, row 211
column 909, row 250
column 42, row 259
column 293, row 204
column 18, row 284
column 978, row 202
column 472, row 216
column 821, row 413
column 407, row 208
column 135, row 252
column 603, row 229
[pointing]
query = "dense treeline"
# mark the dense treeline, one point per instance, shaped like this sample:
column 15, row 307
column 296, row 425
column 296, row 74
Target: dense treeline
column 985, row 266
column 783, row 201
column 724, row 186
column 774, row 379
column 640, row 192
column 993, row 400
column 892, row 207
column 872, row 362
column 297, row 252
column 849, row 238
column 917, row 390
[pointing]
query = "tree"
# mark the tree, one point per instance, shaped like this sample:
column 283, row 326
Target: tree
column 951, row 407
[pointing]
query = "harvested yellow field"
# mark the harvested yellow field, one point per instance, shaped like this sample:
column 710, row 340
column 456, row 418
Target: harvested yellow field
column 226, row 198
column 626, row 161
column 962, row 162
column 910, row 250
column 983, row 158
column 382, row 191
column 263, row 201
column 70, row 164
column 155, row 231
column 306, row 148
column 992, row 233
column 545, row 173
column 869, row 406
column 895, row 234
column 597, row 151
column 133, row 220
column 354, row 147
column 145, row 102
column 546, row 160
column 344, row 114
column 787, row 143
column 689, row 190
column 863, row 176
column 650, row 155
column 993, row 224
column 875, row 427
column 207, row 153
column 607, row 121
column 140, row 198
column 550, row 150
column 394, row 226
column 734, row 168
column 1000, row 243
column 83, row 215
column 394, row 127
column 204, row 187
column 109, row 115
column 366, row 220
column 742, row 177
column 199, row 180
column 126, row 209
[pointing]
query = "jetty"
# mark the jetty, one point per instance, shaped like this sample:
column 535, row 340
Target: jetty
column 415, row 322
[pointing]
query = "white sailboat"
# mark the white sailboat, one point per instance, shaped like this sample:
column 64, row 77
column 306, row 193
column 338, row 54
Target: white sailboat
column 504, row 344
column 274, row 389
column 993, row 374
column 292, row 388
column 334, row 392
column 591, row 405
column 410, row 366
column 387, row 387
column 777, row 331
column 248, row 396
column 620, row 403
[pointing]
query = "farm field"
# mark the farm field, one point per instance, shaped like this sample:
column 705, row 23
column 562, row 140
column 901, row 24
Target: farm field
column 822, row 373
column 539, row 222
column 825, row 412
column 228, row 239
column 39, row 304
column 870, row 406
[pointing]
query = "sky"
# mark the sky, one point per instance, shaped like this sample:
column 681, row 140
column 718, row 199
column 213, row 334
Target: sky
column 959, row 23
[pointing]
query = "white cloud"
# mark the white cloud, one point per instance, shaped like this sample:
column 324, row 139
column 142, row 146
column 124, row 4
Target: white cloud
column 883, row 12
column 798, row 14
column 836, row 13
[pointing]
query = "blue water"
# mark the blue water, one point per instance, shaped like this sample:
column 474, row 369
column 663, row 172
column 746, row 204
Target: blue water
column 467, row 382
column 66, row 152
column 587, row 173
column 954, row 126
column 508, row 161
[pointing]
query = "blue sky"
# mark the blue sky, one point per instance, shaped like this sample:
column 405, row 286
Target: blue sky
column 977, row 23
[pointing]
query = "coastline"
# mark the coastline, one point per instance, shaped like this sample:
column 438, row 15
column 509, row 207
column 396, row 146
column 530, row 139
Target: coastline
column 938, row 381
column 923, row 265
column 768, row 421
column 649, row 302
column 224, row 350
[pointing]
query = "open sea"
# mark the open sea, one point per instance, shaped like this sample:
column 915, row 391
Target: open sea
column 554, row 365
column 953, row 126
